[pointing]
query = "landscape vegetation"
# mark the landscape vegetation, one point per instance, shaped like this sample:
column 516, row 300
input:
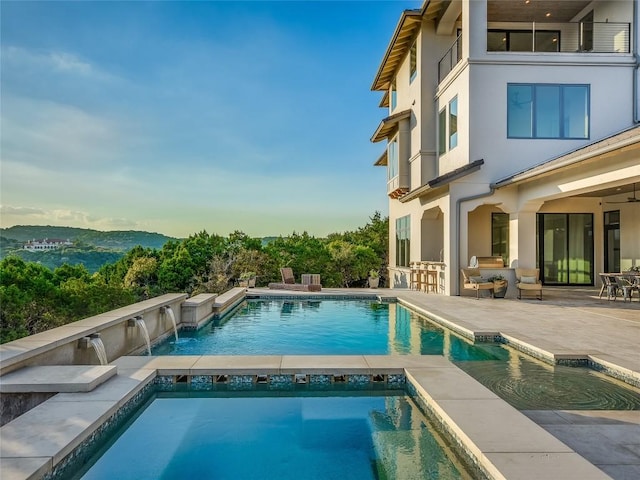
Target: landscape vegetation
column 106, row 270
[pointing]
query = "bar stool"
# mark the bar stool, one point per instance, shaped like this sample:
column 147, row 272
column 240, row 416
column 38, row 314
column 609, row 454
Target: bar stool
column 414, row 276
column 431, row 279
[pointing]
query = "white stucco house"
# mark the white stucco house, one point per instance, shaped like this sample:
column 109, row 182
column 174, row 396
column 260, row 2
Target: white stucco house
column 512, row 129
column 46, row 244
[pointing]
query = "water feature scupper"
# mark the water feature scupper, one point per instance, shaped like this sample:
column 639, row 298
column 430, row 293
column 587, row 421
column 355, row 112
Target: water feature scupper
column 142, row 327
column 168, row 311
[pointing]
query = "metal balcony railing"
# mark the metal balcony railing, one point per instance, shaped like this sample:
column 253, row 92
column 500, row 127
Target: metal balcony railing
column 450, row 59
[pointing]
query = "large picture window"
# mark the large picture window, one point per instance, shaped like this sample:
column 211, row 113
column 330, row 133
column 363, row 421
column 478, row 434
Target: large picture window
column 403, row 239
column 547, row 111
column 566, row 248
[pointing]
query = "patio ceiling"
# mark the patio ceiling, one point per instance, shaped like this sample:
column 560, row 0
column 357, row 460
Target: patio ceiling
column 534, row 10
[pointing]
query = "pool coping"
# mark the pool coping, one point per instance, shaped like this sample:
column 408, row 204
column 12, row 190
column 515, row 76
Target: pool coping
column 501, row 440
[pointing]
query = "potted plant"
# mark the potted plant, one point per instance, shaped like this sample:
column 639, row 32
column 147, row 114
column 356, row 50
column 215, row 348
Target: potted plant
column 500, row 285
column 374, row 279
column 248, row 279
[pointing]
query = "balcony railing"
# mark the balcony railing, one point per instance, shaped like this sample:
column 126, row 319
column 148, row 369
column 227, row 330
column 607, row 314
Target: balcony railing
column 450, row 59
column 582, row 37
column 567, row 37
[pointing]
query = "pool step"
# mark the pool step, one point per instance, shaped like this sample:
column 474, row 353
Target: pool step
column 56, row 379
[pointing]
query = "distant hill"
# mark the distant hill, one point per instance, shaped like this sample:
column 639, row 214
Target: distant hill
column 113, row 240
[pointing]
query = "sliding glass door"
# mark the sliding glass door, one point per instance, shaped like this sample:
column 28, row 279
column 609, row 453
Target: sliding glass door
column 565, row 246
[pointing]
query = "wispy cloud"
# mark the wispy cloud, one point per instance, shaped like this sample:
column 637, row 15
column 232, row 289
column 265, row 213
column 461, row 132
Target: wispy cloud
column 23, row 60
column 42, row 132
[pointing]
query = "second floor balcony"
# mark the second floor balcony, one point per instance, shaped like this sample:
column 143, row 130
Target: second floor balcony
column 583, row 38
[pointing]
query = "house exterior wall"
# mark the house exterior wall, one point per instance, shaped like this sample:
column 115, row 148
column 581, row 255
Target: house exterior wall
column 479, row 81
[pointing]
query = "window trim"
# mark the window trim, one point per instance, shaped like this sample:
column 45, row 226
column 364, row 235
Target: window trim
column 561, row 119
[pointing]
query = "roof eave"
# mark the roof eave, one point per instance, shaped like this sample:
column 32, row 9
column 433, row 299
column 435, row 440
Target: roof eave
column 408, row 24
column 618, row 141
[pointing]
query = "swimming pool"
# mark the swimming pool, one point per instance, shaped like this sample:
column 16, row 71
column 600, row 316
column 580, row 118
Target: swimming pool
column 363, row 435
column 347, row 327
column 327, row 327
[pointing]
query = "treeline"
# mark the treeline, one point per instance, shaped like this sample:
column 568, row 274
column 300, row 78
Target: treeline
column 35, row 298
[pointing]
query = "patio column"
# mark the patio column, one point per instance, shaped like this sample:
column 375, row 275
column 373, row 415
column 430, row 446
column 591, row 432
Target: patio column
column 522, row 239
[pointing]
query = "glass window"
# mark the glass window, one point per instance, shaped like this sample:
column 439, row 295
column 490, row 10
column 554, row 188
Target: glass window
column 547, row 111
column 520, row 111
column 547, row 41
column 496, row 41
column 394, row 95
column 523, row 41
column 442, row 131
column 565, row 248
column 403, row 235
column 520, row 41
column 500, row 236
column 413, row 62
column 576, row 111
column 453, row 123
column 392, row 159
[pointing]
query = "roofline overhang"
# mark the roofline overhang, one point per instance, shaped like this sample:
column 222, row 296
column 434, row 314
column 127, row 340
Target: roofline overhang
column 443, row 180
column 382, row 160
column 407, row 26
column 388, row 125
column 619, row 141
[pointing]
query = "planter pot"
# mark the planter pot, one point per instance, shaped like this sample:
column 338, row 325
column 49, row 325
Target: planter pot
column 374, row 282
column 500, row 288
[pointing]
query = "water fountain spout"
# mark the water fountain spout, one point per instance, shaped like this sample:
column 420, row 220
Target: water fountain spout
column 139, row 323
column 94, row 341
column 168, row 311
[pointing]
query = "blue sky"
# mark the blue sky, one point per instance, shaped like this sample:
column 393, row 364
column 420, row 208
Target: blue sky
column 178, row 117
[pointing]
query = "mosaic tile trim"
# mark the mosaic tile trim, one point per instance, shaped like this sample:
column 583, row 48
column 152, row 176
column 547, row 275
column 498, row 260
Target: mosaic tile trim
column 90, row 445
column 470, row 461
column 488, row 338
column 397, row 379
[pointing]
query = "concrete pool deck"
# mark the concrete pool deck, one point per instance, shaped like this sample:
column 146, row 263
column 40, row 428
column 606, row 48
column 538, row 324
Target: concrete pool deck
column 508, row 444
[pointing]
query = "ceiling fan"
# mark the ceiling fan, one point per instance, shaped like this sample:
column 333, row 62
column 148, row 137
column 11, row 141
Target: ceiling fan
column 633, row 199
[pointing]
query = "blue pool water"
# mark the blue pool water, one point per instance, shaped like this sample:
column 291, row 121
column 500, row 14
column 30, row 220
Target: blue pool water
column 280, row 437
column 328, row 327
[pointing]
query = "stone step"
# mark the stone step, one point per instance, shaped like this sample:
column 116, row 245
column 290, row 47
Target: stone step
column 58, row 378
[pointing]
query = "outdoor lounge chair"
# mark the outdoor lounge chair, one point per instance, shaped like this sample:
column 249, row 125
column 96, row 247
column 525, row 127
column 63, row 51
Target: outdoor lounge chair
column 473, row 280
column 310, row 282
column 528, row 279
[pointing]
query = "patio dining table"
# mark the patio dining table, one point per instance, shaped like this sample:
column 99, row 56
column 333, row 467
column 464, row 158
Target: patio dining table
column 628, row 282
